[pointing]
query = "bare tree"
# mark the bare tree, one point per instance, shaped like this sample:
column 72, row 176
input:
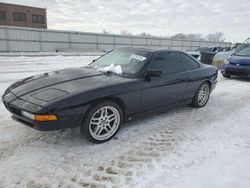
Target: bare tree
column 179, row 36
column 197, row 36
column 125, row 32
column 106, row 32
column 192, row 36
column 144, row 34
column 216, row 37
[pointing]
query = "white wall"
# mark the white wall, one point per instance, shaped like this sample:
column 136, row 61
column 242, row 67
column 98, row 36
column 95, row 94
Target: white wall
column 17, row 39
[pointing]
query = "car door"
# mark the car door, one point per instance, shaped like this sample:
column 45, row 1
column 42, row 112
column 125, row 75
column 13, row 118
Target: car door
column 194, row 77
column 167, row 89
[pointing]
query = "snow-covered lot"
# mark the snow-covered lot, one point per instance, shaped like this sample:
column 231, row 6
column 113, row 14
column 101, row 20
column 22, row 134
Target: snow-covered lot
column 185, row 147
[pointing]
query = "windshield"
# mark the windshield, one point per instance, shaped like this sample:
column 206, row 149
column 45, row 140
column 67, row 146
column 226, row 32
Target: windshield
column 244, row 52
column 123, row 62
column 241, row 46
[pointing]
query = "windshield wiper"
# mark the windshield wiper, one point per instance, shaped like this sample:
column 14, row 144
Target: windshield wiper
column 118, row 74
column 105, row 72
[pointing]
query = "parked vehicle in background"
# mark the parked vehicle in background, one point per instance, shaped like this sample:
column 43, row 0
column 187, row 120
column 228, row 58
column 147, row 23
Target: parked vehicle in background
column 118, row 86
column 197, row 52
column 207, row 57
column 237, row 64
column 220, row 57
column 243, row 45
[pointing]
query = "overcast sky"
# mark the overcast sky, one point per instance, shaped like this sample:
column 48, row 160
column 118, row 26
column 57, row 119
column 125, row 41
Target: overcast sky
column 158, row 17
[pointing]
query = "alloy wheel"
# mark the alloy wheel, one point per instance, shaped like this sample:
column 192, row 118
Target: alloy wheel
column 203, row 94
column 104, row 123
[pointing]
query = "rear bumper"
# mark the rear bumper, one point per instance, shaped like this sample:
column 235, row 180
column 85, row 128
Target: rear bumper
column 15, row 106
column 234, row 70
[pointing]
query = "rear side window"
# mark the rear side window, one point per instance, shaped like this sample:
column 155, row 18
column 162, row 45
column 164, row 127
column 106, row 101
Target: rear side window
column 167, row 62
column 188, row 63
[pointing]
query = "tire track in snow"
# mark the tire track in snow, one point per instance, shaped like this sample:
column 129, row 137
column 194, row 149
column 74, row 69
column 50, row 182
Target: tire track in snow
column 126, row 168
column 153, row 145
column 123, row 170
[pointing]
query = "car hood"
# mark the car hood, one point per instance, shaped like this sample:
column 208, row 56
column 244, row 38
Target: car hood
column 242, row 60
column 45, row 80
column 49, row 87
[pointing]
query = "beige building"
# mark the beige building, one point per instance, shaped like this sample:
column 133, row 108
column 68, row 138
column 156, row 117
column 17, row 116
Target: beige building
column 22, row 16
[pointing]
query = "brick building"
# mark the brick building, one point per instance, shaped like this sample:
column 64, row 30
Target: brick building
column 22, row 16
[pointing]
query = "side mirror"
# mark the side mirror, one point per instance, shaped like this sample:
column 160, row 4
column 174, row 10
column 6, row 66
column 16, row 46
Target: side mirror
column 154, row 73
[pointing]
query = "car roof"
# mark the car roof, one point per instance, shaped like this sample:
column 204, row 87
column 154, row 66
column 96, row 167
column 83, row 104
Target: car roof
column 151, row 50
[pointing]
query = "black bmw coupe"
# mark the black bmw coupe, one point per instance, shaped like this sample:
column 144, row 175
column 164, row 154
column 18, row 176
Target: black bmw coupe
column 120, row 85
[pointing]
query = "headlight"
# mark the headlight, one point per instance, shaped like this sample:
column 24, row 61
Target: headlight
column 226, row 61
column 28, row 115
column 49, row 117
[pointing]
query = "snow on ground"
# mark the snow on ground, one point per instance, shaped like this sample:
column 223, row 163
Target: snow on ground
column 40, row 54
column 185, row 147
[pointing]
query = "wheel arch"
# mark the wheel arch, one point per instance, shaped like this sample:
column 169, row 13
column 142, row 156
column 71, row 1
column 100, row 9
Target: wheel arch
column 117, row 100
column 209, row 83
column 204, row 81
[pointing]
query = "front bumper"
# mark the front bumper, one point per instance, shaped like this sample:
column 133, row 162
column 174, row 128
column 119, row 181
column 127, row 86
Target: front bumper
column 235, row 70
column 62, row 123
column 16, row 105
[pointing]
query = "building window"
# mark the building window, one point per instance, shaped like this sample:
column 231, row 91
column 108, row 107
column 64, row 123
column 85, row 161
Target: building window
column 2, row 15
column 19, row 16
column 38, row 19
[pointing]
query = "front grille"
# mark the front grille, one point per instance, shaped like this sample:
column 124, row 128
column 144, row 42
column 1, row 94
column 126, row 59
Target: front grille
column 237, row 72
column 240, row 65
column 15, row 111
column 244, row 65
column 23, row 121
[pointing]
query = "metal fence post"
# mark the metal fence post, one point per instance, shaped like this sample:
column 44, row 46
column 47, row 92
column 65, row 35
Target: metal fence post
column 7, row 39
column 40, row 41
column 97, row 42
column 113, row 42
column 69, row 41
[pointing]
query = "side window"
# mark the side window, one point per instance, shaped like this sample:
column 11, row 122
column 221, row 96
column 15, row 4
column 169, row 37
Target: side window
column 188, row 63
column 167, row 62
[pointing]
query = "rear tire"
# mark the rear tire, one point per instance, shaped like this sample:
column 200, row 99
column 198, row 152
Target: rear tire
column 202, row 95
column 102, row 122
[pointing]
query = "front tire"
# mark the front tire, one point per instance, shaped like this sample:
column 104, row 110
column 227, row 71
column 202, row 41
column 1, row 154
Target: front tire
column 102, row 122
column 202, row 95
